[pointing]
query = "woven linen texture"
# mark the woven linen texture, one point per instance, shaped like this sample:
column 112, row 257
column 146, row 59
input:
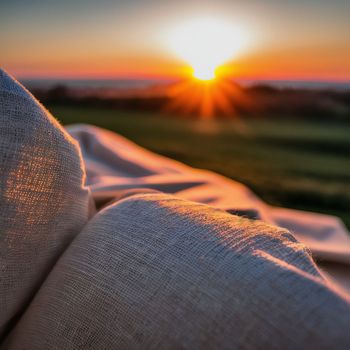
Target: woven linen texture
column 156, row 272
column 114, row 164
column 43, row 201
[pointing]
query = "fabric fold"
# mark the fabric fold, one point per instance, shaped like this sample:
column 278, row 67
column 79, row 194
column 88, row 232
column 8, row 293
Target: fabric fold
column 325, row 235
column 44, row 202
column 153, row 271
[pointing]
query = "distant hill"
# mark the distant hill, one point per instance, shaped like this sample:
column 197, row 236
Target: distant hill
column 282, row 99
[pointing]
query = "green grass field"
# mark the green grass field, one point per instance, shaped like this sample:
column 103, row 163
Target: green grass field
column 292, row 163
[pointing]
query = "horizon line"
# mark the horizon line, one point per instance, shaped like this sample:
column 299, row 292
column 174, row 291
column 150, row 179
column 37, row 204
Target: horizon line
column 173, row 78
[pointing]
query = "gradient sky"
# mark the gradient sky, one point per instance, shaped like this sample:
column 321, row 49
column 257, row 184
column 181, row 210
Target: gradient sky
column 291, row 39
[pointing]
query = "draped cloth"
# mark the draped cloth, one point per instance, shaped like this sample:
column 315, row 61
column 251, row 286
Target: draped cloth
column 43, row 200
column 173, row 258
column 115, row 164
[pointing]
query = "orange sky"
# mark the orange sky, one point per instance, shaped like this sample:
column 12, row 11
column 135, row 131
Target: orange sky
column 109, row 39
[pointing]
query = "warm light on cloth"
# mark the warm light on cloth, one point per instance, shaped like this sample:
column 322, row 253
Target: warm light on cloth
column 156, row 272
column 190, row 268
column 43, row 201
column 130, row 166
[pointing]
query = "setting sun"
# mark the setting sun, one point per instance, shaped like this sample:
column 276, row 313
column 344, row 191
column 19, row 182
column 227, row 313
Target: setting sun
column 206, row 43
column 204, row 72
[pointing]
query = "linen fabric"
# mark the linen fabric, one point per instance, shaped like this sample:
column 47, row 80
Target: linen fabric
column 153, row 271
column 43, row 200
column 115, row 164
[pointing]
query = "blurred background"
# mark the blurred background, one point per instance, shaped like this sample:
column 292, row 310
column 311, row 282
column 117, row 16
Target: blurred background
column 256, row 91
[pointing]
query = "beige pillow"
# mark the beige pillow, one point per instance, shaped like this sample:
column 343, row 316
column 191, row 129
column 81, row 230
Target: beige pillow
column 43, row 200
